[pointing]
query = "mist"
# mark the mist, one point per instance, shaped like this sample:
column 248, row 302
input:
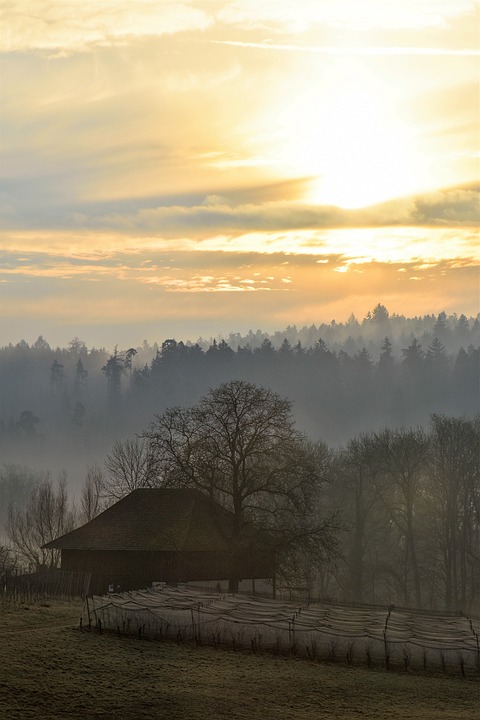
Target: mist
column 61, row 409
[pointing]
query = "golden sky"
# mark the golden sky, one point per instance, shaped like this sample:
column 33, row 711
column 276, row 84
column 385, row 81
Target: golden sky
column 192, row 168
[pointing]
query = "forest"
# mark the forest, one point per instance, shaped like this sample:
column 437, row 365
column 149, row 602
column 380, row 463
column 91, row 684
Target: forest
column 390, row 403
column 59, row 404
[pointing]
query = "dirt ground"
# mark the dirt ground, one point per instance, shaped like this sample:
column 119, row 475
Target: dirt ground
column 50, row 669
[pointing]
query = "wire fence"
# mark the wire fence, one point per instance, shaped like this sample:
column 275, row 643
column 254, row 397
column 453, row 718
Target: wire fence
column 393, row 638
column 32, row 587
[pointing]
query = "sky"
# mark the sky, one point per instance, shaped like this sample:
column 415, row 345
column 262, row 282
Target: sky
column 186, row 169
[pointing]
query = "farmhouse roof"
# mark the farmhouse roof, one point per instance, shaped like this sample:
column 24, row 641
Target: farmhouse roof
column 154, row 519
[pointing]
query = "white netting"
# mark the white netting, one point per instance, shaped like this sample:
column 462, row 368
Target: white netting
column 393, row 636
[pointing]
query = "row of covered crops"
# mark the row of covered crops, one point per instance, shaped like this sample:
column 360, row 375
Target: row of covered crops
column 391, row 637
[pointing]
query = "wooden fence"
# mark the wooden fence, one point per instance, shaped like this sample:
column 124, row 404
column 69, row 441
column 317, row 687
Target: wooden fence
column 29, row 587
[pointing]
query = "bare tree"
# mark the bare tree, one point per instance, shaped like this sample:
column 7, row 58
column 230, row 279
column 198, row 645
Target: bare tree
column 358, row 470
column 239, row 445
column 16, row 482
column 131, row 464
column 453, row 490
column 91, row 503
column 402, row 457
column 47, row 515
column 7, row 565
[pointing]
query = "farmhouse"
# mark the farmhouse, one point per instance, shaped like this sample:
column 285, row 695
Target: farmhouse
column 162, row 535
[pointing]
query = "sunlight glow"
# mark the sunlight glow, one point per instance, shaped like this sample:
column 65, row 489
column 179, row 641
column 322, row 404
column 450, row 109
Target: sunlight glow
column 354, row 144
column 180, row 166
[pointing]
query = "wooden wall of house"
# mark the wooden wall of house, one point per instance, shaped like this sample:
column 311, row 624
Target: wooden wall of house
column 128, row 569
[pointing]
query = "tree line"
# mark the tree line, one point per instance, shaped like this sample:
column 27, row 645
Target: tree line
column 342, row 378
column 391, row 516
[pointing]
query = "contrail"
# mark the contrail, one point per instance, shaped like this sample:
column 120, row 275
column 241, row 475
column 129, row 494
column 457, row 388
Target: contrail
column 378, row 50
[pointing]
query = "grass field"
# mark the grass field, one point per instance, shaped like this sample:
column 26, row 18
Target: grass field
column 50, row 669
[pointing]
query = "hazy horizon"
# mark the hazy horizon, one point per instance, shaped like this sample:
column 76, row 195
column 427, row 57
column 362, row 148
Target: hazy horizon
column 124, row 337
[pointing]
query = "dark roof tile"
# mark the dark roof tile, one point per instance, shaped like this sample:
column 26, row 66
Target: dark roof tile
column 154, row 519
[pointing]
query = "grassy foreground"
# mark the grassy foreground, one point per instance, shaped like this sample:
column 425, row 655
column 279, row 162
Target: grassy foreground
column 50, row 669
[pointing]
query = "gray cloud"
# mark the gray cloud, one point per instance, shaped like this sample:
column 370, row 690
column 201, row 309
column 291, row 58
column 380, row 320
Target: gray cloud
column 458, row 206
column 187, row 215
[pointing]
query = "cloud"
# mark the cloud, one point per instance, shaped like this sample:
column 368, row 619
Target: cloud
column 172, row 114
column 222, row 219
column 70, row 26
column 456, row 206
column 76, row 26
column 156, row 154
column 369, row 14
column 184, row 301
column 450, row 207
column 251, row 261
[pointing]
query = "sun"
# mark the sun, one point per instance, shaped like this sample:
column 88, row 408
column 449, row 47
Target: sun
column 365, row 154
column 355, row 146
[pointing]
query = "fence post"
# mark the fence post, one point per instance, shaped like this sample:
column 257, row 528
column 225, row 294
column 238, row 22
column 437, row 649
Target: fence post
column 199, row 631
column 193, row 625
column 88, row 613
column 478, row 654
column 385, row 643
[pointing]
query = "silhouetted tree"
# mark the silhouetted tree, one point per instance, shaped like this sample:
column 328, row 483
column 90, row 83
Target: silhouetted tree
column 91, row 500
column 27, row 424
column 359, row 467
column 380, row 316
column 462, row 330
column 386, row 382
column 466, row 381
column 41, row 344
column 57, row 375
column 454, row 494
column 386, row 361
column 114, row 370
column 413, row 357
column 129, row 355
column 131, row 464
column 402, row 456
column 77, row 346
column 140, row 378
column 47, row 515
column 16, row 484
column 440, row 329
column 78, row 414
column 81, row 375
column 285, row 348
column 239, row 446
column 437, row 377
